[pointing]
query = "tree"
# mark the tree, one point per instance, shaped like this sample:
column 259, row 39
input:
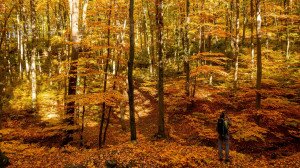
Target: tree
column 244, row 22
column 75, row 39
column 252, row 36
column 187, row 51
column 48, row 45
column 286, row 9
column 259, row 63
column 20, row 38
column 130, row 70
column 231, row 28
column 152, row 42
column 101, row 140
column 160, row 84
column 3, row 68
column 84, row 11
column 33, row 53
column 3, row 25
column 236, row 50
column 2, row 85
column 84, row 25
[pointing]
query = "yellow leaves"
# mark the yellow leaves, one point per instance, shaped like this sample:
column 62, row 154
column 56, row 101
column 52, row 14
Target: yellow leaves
column 21, row 154
column 199, row 126
column 294, row 133
column 219, row 61
column 292, row 122
column 271, row 118
column 13, row 146
column 57, row 41
column 275, row 103
column 175, row 98
column 70, row 149
column 86, row 99
column 58, row 128
column 111, row 98
column 269, row 82
column 150, row 90
column 91, row 164
column 246, row 130
column 206, row 69
column 289, row 161
column 21, row 100
column 207, row 16
column 53, row 150
column 172, row 134
column 201, row 55
column 146, row 153
column 219, row 33
column 212, row 58
column 6, row 131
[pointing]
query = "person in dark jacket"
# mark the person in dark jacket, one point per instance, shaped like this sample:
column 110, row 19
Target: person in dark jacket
column 223, row 136
column 4, row 161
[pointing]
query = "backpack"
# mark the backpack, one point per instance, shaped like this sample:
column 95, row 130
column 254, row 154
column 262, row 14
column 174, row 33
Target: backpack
column 4, row 161
column 222, row 128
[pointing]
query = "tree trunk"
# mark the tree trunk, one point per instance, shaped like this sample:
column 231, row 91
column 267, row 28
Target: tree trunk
column 83, row 113
column 244, row 22
column 252, row 37
column 3, row 33
column 145, row 34
column 33, row 54
column 84, row 25
column 72, row 79
column 84, row 11
column 130, row 77
column 266, row 27
column 123, row 103
column 49, row 58
column 200, row 49
column 2, row 61
column 177, row 45
column 159, row 43
column 231, row 29
column 287, row 8
column 152, row 46
column 20, row 43
column 101, row 143
column 187, row 52
column 110, row 108
column 259, row 63
column 236, row 52
column 2, row 85
column 122, row 112
column 25, row 40
column 209, row 43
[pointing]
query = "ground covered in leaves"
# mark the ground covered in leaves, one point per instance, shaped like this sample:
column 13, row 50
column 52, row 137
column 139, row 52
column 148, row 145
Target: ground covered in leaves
column 264, row 138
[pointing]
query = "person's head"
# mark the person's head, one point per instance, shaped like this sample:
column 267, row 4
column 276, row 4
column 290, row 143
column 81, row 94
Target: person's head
column 222, row 115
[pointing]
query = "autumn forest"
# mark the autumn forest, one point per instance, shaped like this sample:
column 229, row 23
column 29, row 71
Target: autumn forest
column 145, row 83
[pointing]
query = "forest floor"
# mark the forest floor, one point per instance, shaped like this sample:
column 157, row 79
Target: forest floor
column 265, row 138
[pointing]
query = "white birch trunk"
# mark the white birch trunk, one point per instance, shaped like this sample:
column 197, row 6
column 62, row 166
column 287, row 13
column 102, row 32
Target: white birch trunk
column 33, row 55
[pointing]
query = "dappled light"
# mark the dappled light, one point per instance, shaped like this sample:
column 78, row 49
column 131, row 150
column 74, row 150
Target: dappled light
column 49, row 109
column 149, row 83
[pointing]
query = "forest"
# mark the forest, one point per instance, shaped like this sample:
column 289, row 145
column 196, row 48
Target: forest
column 143, row 83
